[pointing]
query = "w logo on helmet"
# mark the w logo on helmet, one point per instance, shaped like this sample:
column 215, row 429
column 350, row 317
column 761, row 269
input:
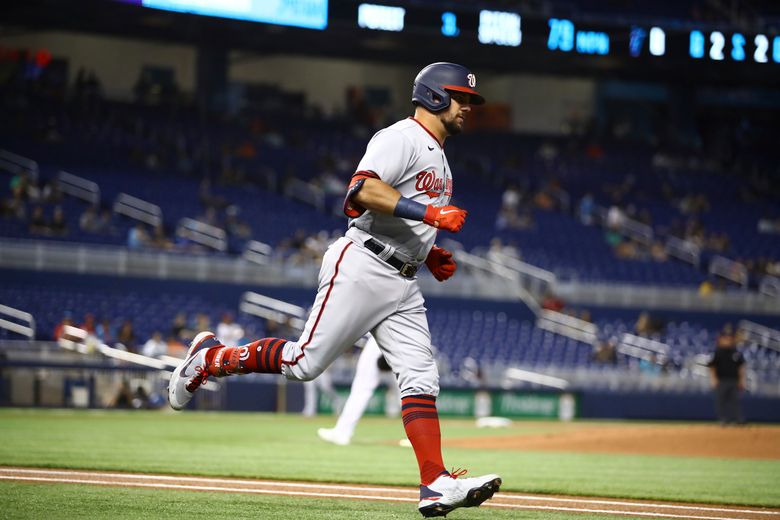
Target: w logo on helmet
column 472, row 79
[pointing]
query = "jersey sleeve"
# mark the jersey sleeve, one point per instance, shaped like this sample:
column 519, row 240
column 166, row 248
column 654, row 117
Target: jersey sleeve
column 388, row 154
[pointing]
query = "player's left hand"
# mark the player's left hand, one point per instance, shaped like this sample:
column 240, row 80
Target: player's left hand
column 440, row 263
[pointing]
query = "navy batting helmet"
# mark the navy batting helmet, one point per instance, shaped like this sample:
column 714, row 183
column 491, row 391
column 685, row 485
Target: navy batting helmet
column 433, row 82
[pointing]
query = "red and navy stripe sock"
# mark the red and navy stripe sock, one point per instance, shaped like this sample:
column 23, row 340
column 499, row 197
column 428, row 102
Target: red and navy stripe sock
column 263, row 356
column 421, row 422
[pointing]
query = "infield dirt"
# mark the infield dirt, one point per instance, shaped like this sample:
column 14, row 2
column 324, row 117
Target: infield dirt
column 754, row 442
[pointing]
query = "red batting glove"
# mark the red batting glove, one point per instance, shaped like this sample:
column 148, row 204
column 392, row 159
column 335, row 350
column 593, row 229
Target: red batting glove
column 440, row 263
column 450, row 218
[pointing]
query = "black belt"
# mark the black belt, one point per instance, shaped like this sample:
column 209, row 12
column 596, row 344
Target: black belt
column 407, row 270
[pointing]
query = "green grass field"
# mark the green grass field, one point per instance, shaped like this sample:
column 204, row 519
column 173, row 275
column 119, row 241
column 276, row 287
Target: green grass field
column 286, row 447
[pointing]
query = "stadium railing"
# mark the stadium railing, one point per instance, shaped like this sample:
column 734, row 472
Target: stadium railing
column 26, row 325
column 12, row 162
column 79, row 187
column 138, row 209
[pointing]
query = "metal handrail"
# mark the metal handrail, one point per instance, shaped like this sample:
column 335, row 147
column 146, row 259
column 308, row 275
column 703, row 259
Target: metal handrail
column 305, row 192
column 270, row 308
column 258, row 252
column 730, row 270
column 79, row 187
column 637, row 346
column 684, row 250
column 764, row 336
column 637, row 230
column 10, row 161
column 770, row 286
column 569, row 326
column 138, row 209
column 202, row 233
column 27, row 330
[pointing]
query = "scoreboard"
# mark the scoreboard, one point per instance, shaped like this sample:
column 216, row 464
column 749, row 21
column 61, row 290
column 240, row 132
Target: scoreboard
column 490, row 34
column 561, row 35
column 531, row 35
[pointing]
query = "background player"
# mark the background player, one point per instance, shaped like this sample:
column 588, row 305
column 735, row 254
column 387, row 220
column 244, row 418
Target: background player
column 397, row 201
column 368, row 374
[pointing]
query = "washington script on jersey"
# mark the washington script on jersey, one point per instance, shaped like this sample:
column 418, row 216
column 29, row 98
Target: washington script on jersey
column 432, row 185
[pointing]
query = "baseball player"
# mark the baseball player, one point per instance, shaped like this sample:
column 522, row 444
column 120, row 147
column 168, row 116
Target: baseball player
column 368, row 374
column 397, row 202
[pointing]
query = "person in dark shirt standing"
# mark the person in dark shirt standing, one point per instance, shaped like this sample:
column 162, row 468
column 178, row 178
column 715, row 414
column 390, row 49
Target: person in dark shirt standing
column 727, row 375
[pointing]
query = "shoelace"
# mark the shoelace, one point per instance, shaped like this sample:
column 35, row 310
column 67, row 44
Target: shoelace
column 455, row 473
column 200, row 377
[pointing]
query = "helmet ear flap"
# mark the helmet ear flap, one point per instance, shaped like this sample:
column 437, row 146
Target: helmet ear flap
column 433, row 99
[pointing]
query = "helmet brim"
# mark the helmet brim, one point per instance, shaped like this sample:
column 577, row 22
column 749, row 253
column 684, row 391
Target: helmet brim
column 476, row 97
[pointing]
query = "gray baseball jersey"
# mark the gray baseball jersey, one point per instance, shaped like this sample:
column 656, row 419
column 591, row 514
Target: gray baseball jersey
column 410, row 159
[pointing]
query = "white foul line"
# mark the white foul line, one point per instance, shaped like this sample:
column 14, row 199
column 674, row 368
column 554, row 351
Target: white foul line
column 339, row 495
column 632, row 504
column 353, row 488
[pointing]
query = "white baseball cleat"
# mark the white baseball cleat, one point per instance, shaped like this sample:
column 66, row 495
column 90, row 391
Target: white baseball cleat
column 333, row 436
column 193, row 372
column 447, row 493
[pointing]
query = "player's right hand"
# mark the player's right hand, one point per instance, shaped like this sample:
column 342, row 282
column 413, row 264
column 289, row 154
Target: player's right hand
column 450, row 218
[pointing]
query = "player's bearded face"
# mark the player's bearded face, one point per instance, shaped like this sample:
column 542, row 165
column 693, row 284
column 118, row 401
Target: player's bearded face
column 455, row 115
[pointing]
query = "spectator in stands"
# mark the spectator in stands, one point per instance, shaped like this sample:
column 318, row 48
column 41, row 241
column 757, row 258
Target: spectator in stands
column 38, row 224
column 210, row 201
column 706, row 288
column 293, row 244
column 59, row 330
column 768, row 224
column 50, row 193
column 13, row 207
column 105, row 331
column 20, row 185
column 89, row 323
column 137, row 237
column 605, row 352
column 123, row 398
column 105, row 223
column 727, row 376
column 552, row 302
column 234, row 225
column 58, row 225
column 228, row 331
column 647, row 325
column 615, row 217
column 280, row 328
column 155, row 346
column 650, row 365
column 510, row 215
column 627, row 249
column 179, row 330
column 587, row 209
column 202, row 322
column 159, row 240
column 125, row 338
column 88, row 219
